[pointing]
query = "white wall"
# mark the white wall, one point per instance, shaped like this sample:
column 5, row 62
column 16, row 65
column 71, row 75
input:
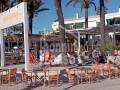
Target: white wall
column 92, row 20
column 92, row 24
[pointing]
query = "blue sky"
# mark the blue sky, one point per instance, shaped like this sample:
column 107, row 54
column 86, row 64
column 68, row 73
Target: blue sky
column 44, row 20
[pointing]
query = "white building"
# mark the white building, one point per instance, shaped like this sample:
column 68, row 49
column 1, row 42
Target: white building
column 93, row 21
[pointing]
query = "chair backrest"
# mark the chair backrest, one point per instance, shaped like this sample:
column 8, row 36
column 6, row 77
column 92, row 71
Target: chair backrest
column 52, row 72
column 96, row 68
column 70, row 73
column 52, row 75
column 13, row 71
column 106, row 67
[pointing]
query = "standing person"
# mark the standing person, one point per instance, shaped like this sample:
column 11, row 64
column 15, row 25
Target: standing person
column 85, row 54
column 21, row 53
column 96, row 55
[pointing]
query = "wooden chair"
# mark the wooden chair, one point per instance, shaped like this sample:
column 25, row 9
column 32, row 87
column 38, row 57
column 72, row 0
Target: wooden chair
column 52, row 76
column 25, row 76
column 71, row 74
column 86, row 75
column 107, row 71
column 91, row 75
column 81, row 74
column 96, row 68
column 116, row 64
column 8, row 75
column 116, row 72
column 40, row 77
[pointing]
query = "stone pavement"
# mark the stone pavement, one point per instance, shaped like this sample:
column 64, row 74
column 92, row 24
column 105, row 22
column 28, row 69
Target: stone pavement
column 108, row 84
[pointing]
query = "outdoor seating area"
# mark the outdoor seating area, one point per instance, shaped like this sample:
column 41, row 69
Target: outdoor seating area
column 57, row 76
column 57, row 51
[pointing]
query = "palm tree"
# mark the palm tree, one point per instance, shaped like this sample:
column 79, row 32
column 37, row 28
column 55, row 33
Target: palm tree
column 84, row 4
column 59, row 12
column 102, row 23
column 98, row 10
column 34, row 7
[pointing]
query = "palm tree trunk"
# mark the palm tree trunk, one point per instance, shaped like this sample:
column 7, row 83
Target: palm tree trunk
column 61, row 23
column 30, row 24
column 86, row 25
column 1, row 8
column 86, row 17
column 102, row 24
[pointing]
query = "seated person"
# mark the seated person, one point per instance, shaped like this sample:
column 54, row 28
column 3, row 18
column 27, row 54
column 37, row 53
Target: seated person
column 47, row 56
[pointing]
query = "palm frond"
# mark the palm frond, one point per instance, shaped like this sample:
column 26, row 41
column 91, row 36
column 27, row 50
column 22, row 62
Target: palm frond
column 40, row 10
column 13, row 3
column 74, row 2
column 77, row 2
column 69, row 2
column 37, row 5
column 92, row 3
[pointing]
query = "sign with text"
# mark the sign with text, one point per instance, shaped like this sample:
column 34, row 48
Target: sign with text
column 12, row 16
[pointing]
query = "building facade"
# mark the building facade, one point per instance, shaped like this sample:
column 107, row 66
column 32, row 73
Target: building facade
column 93, row 21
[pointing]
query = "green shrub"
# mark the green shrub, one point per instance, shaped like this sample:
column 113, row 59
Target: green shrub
column 111, row 47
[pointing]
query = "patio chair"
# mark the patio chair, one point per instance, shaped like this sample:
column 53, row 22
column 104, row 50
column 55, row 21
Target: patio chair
column 33, row 76
column 116, row 65
column 40, row 77
column 86, row 75
column 116, row 72
column 26, row 76
column 9, row 75
column 71, row 74
column 91, row 75
column 107, row 71
column 96, row 68
column 81, row 74
column 52, row 76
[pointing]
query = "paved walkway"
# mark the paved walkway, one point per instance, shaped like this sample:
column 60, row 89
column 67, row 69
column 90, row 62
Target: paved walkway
column 108, row 84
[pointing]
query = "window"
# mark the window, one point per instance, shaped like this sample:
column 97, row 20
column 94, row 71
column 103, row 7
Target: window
column 74, row 26
column 69, row 26
column 113, row 21
column 78, row 25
